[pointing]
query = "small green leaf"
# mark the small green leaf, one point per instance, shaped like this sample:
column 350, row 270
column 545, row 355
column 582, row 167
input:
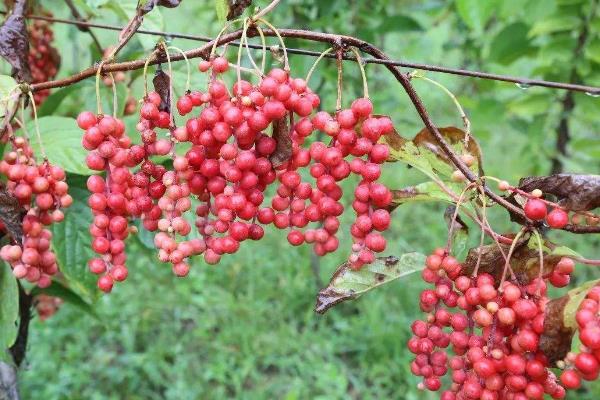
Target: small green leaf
column 565, row 251
column 61, row 139
column 426, row 191
column 475, row 13
column 347, row 284
column 222, row 7
column 8, row 94
column 557, row 23
column 52, row 102
column 510, row 44
column 57, row 289
column 576, row 296
column 72, row 245
column 400, row 23
column 9, row 307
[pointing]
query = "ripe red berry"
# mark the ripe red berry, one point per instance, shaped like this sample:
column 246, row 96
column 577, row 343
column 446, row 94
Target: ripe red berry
column 535, row 209
column 557, row 219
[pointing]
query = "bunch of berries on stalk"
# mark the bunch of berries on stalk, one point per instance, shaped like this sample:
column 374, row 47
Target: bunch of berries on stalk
column 585, row 364
column 44, row 60
column 113, row 198
column 46, row 306
column 493, row 331
column 41, row 190
column 240, row 140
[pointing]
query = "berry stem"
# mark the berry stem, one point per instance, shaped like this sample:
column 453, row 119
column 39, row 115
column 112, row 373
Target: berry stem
column 145, row 74
column 37, row 125
column 455, row 215
column 98, row 73
column 244, row 42
column 466, row 122
column 314, row 66
column 340, row 73
column 239, row 57
column 541, row 253
column 286, row 63
column 171, row 94
column 114, row 90
column 363, row 73
column 510, row 252
column 221, row 32
column 187, row 64
column 265, row 10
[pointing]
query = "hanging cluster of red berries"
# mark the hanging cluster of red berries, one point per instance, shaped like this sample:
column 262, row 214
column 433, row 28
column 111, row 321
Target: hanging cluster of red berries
column 43, row 57
column 46, row 306
column 585, row 364
column 494, row 333
column 231, row 161
column 42, row 191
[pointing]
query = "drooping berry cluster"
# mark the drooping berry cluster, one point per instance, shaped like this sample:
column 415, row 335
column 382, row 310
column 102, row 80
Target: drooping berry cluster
column 46, row 306
column 494, row 336
column 242, row 140
column 42, row 191
column 112, row 200
column 585, row 364
column 44, row 60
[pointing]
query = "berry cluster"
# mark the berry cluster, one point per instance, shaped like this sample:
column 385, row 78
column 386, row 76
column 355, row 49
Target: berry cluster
column 231, row 160
column 112, row 200
column 494, row 335
column 46, row 306
column 537, row 210
column 43, row 57
column 585, row 364
column 42, row 191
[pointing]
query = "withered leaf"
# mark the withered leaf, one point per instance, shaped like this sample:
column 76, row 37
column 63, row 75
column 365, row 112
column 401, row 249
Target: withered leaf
column 393, row 140
column 452, row 135
column 555, row 342
column 161, row 82
column 11, row 214
column 237, row 7
column 525, row 261
column 145, row 6
column 575, row 192
column 14, row 42
column 283, row 138
column 347, row 283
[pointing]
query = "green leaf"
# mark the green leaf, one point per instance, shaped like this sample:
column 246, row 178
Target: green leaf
column 530, row 106
column 592, row 51
column 72, row 244
column 475, row 13
column 510, row 44
column 9, row 307
column 426, row 191
column 400, row 23
column 347, row 283
column 53, row 102
column 222, row 7
column 57, row 289
column 565, row 251
column 576, row 296
column 8, row 95
column 557, row 23
column 61, row 138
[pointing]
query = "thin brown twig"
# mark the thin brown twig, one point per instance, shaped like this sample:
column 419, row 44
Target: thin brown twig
column 77, row 15
column 407, row 64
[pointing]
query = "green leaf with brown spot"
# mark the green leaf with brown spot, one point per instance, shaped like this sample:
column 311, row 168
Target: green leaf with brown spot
column 347, row 283
column 576, row 296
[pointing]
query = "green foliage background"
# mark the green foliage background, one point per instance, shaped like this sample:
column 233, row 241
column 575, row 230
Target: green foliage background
column 245, row 328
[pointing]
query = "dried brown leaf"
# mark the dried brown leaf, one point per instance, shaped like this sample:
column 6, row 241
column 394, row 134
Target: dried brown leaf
column 161, row 82
column 525, row 261
column 452, row 135
column 575, row 192
column 11, row 214
column 555, row 342
column 14, row 42
column 237, row 8
column 145, row 6
column 283, row 138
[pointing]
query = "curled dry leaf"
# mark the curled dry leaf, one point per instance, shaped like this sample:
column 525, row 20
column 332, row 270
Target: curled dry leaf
column 575, row 192
column 145, row 6
column 237, row 8
column 161, row 82
column 11, row 214
column 453, row 136
column 14, row 42
column 347, row 284
column 525, row 261
column 282, row 136
column 555, row 342
column 560, row 323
